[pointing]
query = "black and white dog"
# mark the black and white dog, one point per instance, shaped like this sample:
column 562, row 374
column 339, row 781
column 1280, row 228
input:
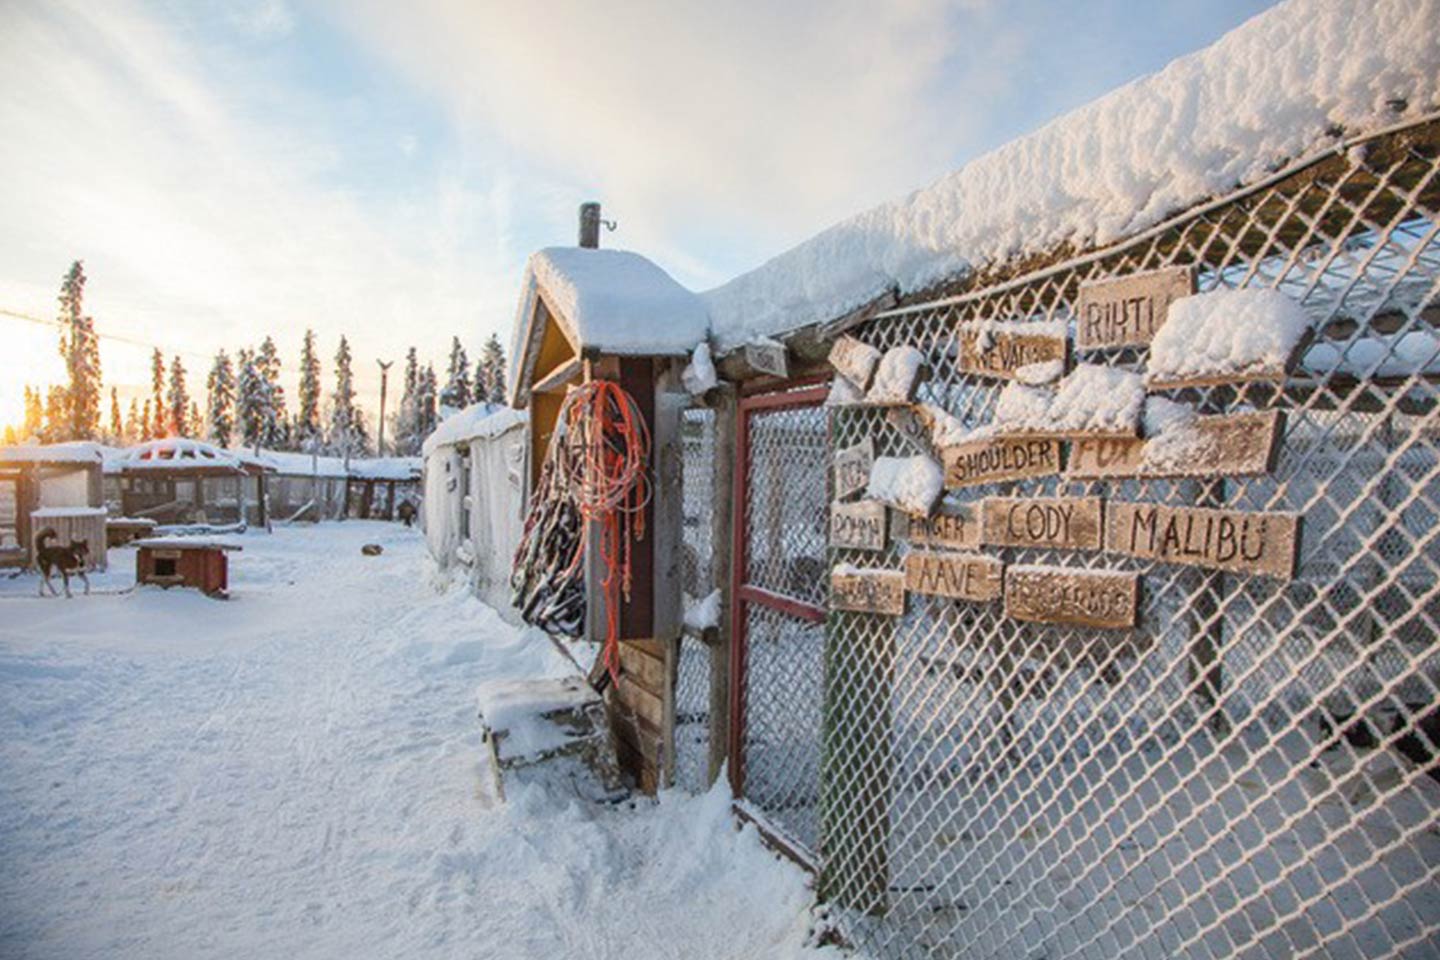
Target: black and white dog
column 67, row 560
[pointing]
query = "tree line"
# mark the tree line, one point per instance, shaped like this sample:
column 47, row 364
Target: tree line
column 245, row 403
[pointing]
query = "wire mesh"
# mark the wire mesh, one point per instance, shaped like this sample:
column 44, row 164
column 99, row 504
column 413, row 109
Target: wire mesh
column 1252, row 772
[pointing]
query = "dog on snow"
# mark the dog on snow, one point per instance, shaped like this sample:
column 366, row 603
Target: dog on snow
column 67, row 560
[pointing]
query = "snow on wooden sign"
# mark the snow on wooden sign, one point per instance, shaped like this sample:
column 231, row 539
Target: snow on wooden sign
column 1061, row 523
column 867, row 591
column 956, row 526
column 996, row 459
column 912, row 484
column 1227, row 336
column 1128, row 311
column 1105, row 599
column 963, row 576
column 1233, row 444
column 852, row 467
column 1233, row 540
column 858, row 526
column 896, row 376
column 855, row 360
column 1030, row 352
column 1091, row 399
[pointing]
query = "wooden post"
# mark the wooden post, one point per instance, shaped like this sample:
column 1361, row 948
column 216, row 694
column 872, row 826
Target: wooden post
column 721, row 538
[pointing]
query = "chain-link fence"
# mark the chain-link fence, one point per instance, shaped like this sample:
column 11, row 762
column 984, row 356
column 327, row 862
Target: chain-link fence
column 1252, row 771
column 692, row 680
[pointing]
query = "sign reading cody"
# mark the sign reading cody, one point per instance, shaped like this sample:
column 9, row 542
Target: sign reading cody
column 965, row 576
column 1127, row 311
column 1234, row 540
column 1088, row 598
column 868, row 591
column 998, row 459
column 858, row 526
column 998, row 350
column 1063, row 523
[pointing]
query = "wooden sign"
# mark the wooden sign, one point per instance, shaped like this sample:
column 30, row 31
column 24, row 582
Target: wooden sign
column 1058, row 523
column 868, row 591
column 1267, row 544
column 1225, row 445
column 964, row 576
column 999, row 459
column 852, row 468
column 998, row 350
column 767, row 356
column 911, row 427
column 1089, row 598
column 956, row 527
column 854, row 360
column 1097, row 457
column 858, row 526
column 1127, row 311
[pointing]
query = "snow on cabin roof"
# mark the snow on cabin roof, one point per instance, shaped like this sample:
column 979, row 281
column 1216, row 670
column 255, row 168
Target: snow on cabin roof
column 78, row 451
column 477, row 421
column 1273, row 90
column 385, row 468
column 181, row 454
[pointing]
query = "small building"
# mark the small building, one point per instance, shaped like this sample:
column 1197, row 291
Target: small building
column 57, row 485
column 376, row 486
column 178, row 481
column 196, row 562
column 476, row 488
column 304, row 487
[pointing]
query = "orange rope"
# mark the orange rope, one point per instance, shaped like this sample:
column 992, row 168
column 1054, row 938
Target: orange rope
column 610, row 486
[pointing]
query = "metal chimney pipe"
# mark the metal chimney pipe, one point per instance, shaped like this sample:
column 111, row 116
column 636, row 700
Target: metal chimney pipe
column 590, row 225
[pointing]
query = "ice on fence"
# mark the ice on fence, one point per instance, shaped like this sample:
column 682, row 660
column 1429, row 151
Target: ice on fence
column 946, row 429
column 699, row 374
column 896, row 375
column 1226, row 333
column 1091, row 398
column 912, row 484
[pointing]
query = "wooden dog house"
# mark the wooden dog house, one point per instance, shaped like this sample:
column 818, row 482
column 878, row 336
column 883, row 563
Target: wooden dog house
column 196, row 562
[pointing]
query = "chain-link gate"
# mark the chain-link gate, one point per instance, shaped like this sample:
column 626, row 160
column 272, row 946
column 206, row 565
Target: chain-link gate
column 778, row 599
column 1252, row 772
column 692, row 680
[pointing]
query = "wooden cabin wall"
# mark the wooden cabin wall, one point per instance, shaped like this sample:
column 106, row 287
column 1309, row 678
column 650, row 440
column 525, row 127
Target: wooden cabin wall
column 641, row 712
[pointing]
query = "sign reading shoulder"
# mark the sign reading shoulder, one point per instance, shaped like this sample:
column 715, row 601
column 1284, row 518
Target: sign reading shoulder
column 965, row 576
column 1127, row 311
column 1061, row 523
column 858, row 526
column 957, row 527
column 999, row 459
column 1234, row 540
column 852, row 467
column 998, row 350
column 868, row 591
column 1087, row 598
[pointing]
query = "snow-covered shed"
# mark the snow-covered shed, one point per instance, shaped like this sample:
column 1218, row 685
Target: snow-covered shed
column 177, row 480
column 305, row 487
column 475, row 485
column 49, row 485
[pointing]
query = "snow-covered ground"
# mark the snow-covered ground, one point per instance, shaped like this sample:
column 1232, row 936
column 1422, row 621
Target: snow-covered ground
column 297, row 773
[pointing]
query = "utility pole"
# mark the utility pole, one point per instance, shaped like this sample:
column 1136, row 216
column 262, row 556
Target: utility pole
column 384, row 377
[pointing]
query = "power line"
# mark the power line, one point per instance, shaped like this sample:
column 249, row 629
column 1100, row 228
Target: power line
column 117, row 337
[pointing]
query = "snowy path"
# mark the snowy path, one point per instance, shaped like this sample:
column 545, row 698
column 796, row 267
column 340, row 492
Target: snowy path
column 297, row 773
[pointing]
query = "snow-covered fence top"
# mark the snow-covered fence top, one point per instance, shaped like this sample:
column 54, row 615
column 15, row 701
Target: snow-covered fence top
column 1289, row 83
column 293, row 464
column 79, row 452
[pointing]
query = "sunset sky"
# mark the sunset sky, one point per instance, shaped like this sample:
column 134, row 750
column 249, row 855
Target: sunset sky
column 382, row 169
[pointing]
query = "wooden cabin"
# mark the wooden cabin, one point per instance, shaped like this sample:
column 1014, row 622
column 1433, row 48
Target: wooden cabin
column 183, row 482
column 51, row 485
column 590, row 314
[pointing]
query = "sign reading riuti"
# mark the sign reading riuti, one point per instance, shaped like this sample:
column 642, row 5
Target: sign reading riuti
column 1127, row 311
column 1232, row 540
column 1002, row 458
column 1063, row 523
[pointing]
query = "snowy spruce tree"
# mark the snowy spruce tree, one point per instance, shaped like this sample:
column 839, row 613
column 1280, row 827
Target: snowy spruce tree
column 404, row 425
column 157, row 418
column 307, row 417
column 147, row 424
column 80, row 349
column 116, row 435
column 277, row 431
column 492, row 361
column 457, row 392
column 34, row 424
column 177, row 401
column 253, row 409
column 427, row 416
column 346, row 430
column 220, row 401
column 134, row 427
column 57, row 416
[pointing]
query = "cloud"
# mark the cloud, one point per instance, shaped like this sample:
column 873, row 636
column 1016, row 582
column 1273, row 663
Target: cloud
column 263, row 18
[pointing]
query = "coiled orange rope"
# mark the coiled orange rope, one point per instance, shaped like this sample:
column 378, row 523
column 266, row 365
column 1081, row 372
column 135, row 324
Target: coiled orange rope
column 607, row 478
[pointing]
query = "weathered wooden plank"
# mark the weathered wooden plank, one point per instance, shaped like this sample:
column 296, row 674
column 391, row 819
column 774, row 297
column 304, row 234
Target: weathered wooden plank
column 1229, row 445
column 854, row 360
column 956, row 526
column 1089, row 598
column 999, row 459
column 768, row 357
column 911, row 426
column 868, row 591
column 1127, row 311
column 645, row 704
column 964, row 576
column 997, row 350
column 1060, row 523
column 647, row 671
column 852, row 467
column 1239, row 541
column 858, row 526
